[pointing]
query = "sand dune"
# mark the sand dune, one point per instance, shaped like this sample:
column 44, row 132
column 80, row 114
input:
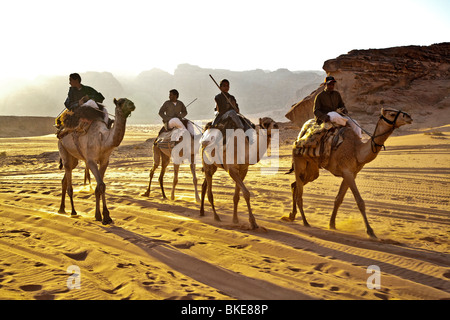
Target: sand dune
column 162, row 249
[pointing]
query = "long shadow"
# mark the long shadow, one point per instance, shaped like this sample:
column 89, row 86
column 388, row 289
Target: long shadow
column 441, row 259
column 231, row 283
column 301, row 243
column 216, row 276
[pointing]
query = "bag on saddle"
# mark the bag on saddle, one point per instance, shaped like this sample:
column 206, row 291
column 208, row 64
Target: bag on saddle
column 79, row 120
column 169, row 138
column 317, row 141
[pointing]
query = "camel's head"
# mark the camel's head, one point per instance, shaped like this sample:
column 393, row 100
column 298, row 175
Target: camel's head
column 126, row 106
column 268, row 124
column 396, row 118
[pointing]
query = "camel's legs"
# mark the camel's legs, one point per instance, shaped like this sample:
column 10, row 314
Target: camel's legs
column 106, row 217
column 236, row 197
column 87, row 176
column 202, row 202
column 62, row 207
column 207, row 187
column 294, row 201
column 156, row 161
column 176, row 168
column 350, row 181
column 208, row 178
column 299, row 198
column 234, row 174
column 99, row 190
column 194, row 180
column 69, row 165
column 68, row 176
column 337, row 202
column 164, row 163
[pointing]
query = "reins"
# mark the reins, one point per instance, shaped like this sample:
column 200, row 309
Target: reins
column 374, row 145
column 392, row 123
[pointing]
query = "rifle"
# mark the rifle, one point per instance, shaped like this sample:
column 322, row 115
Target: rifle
column 191, row 102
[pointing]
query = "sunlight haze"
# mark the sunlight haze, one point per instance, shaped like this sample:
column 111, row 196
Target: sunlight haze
column 57, row 37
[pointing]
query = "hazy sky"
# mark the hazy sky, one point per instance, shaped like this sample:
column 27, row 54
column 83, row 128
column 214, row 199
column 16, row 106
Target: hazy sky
column 128, row 36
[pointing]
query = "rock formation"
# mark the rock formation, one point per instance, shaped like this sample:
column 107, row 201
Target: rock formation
column 415, row 79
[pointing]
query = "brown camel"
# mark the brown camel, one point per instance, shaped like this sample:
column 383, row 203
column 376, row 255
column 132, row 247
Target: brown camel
column 163, row 155
column 349, row 158
column 236, row 171
column 94, row 148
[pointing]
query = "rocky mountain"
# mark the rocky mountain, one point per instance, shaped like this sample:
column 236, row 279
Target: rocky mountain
column 258, row 92
column 415, row 79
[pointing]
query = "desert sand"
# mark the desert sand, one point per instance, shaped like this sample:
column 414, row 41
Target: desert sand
column 162, row 249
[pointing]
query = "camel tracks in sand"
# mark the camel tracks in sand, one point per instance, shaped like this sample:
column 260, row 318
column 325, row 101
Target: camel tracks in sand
column 163, row 249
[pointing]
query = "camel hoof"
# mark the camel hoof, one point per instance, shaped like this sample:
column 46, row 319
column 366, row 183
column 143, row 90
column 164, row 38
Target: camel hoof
column 147, row 194
column 306, row 224
column 217, row 218
column 107, row 221
column 261, row 229
column 372, row 235
column 61, row 211
column 288, row 219
column 73, row 213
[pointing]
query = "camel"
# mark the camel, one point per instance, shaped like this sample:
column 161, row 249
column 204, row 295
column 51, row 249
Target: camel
column 346, row 161
column 94, row 148
column 236, row 171
column 163, row 155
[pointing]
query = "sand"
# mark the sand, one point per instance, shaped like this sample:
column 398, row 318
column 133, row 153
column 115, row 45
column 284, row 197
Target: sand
column 162, row 249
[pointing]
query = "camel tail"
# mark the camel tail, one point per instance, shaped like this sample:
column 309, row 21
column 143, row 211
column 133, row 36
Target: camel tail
column 290, row 170
column 60, row 164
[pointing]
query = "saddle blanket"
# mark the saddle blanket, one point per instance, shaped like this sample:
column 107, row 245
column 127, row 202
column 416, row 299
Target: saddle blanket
column 317, row 141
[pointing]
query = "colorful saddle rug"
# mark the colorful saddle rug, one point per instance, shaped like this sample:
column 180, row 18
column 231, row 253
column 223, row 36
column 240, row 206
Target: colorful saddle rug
column 316, row 142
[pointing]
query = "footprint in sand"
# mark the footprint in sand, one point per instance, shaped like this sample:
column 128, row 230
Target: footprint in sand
column 334, row 288
column 78, row 256
column 294, row 269
column 316, row 284
column 31, row 287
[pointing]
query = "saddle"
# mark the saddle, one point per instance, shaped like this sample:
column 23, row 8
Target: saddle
column 225, row 123
column 78, row 121
column 169, row 138
column 316, row 142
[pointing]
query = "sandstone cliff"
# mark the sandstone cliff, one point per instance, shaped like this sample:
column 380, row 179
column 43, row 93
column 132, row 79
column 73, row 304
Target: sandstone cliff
column 415, row 79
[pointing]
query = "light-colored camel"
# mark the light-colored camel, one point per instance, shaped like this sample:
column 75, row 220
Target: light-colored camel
column 162, row 156
column 94, row 148
column 236, row 171
column 349, row 158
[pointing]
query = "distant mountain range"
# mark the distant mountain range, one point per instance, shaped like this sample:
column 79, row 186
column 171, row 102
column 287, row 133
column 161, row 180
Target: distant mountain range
column 258, row 92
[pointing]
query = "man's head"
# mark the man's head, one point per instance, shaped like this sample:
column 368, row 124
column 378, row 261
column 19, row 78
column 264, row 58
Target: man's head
column 224, row 85
column 330, row 82
column 173, row 95
column 75, row 80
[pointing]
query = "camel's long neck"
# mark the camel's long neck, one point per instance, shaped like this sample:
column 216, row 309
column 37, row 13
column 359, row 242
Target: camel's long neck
column 118, row 130
column 370, row 149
